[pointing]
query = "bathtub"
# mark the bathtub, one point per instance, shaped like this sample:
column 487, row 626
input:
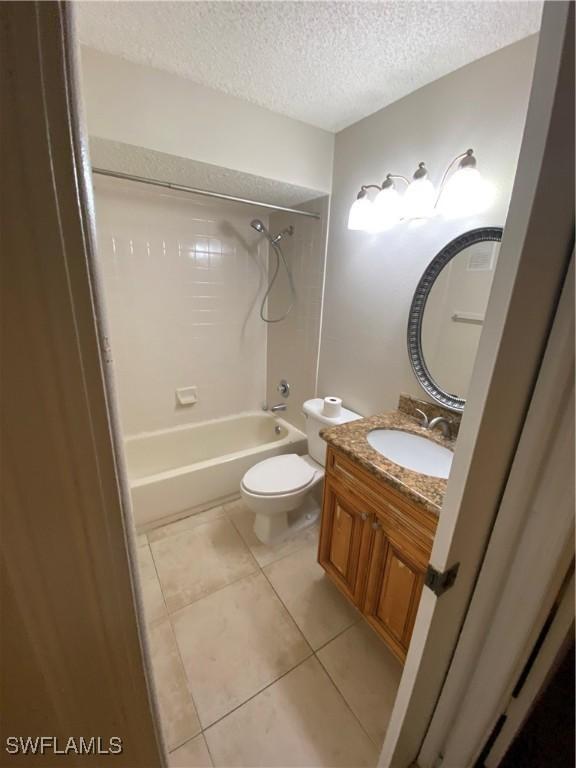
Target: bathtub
column 200, row 465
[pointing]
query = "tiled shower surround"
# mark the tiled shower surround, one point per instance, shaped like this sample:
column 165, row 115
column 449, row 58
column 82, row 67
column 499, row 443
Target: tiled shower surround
column 184, row 277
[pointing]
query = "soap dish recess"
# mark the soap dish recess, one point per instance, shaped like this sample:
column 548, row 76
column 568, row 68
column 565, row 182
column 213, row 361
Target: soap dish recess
column 187, row 395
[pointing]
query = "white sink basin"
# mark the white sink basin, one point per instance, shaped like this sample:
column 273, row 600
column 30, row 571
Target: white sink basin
column 412, row 451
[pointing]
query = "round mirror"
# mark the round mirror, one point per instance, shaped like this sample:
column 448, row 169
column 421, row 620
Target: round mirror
column 447, row 314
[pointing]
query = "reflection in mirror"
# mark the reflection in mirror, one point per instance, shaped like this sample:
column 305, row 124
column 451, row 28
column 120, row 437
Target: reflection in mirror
column 454, row 314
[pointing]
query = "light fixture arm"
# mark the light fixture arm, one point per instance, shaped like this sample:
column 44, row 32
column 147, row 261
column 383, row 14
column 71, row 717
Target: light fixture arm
column 388, row 182
column 468, row 155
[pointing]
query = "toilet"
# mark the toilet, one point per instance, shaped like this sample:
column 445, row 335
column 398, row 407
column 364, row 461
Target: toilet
column 280, row 490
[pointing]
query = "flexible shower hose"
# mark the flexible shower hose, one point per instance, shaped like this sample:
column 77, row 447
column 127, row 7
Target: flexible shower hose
column 279, row 255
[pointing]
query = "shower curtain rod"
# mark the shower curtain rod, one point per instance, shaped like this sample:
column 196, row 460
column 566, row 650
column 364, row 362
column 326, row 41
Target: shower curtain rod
column 203, row 192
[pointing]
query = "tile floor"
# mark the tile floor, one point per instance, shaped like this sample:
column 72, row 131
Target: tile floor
column 257, row 658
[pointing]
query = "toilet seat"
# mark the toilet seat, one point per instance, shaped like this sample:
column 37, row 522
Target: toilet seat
column 279, row 475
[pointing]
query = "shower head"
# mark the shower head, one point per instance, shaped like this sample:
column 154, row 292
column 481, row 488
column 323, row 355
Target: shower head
column 259, row 227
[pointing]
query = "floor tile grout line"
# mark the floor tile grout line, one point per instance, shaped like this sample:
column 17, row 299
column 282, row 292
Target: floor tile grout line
column 323, row 645
column 336, row 636
column 257, row 693
column 347, row 703
column 273, row 682
column 200, row 734
column 185, row 741
column 184, row 530
column 186, row 680
column 188, row 688
column 292, row 552
column 173, row 613
column 261, row 569
column 210, row 755
column 170, row 620
column 288, row 611
column 173, row 632
column 158, row 579
column 313, row 653
column 276, row 560
column 169, row 612
column 191, row 513
column 247, row 576
column 242, row 539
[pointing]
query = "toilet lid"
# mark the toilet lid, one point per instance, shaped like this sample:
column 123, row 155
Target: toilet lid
column 278, row 475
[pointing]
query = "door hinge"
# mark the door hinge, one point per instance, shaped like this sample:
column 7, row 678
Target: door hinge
column 441, row 581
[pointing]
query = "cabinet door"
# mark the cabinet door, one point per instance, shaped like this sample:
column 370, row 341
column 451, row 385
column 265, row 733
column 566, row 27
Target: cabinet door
column 393, row 592
column 343, row 538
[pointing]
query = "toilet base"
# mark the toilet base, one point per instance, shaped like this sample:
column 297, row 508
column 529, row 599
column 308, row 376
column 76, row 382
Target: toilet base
column 272, row 529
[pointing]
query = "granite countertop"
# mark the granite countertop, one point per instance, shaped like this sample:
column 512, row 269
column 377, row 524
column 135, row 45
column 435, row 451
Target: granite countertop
column 350, row 438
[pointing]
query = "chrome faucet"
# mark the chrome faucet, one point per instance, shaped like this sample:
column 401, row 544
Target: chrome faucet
column 439, row 421
column 279, row 407
column 423, row 419
column 444, row 425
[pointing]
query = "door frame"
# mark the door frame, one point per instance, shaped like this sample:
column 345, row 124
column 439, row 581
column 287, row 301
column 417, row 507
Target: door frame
column 507, row 365
column 558, row 640
column 530, row 553
column 74, row 655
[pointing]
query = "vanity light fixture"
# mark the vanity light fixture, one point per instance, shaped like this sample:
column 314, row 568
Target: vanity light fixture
column 464, row 193
column 388, row 207
column 360, row 216
column 420, row 196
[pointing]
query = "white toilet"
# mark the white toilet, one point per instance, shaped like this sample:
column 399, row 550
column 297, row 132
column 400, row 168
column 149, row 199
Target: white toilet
column 279, row 490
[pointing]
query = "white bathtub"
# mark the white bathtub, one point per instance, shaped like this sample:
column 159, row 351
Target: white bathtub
column 201, row 465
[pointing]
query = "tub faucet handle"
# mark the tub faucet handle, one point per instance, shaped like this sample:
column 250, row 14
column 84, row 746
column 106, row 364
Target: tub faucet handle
column 283, row 388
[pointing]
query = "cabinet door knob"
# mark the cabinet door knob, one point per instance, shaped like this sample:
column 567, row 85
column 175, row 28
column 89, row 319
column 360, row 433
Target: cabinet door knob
column 376, row 525
column 364, row 516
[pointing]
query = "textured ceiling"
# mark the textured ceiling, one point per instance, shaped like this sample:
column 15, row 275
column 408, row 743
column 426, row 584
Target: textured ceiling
column 325, row 63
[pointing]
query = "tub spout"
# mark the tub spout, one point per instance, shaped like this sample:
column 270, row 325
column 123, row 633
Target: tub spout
column 279, row 407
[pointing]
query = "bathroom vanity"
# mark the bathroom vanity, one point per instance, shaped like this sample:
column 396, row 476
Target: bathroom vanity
column 378, row 525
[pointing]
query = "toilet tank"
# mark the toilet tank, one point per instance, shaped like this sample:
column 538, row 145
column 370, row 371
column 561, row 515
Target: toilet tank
column 315, row 421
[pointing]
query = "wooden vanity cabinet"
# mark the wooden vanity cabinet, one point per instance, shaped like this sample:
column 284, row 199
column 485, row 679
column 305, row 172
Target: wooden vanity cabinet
column 393, row 591
column 375, row 546
column 344, row 540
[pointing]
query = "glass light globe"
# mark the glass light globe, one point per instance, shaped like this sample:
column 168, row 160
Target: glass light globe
column 466, row 193
column 387, row 209
column 419, row 199
column 361, row 213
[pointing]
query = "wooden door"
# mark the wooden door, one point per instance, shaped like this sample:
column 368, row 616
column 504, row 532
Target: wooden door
column 344, row 536
column 393, row 591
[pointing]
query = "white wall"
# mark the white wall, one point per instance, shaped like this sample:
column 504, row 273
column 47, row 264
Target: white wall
column 148, row 108
column 183, row 281
column 370, row 279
